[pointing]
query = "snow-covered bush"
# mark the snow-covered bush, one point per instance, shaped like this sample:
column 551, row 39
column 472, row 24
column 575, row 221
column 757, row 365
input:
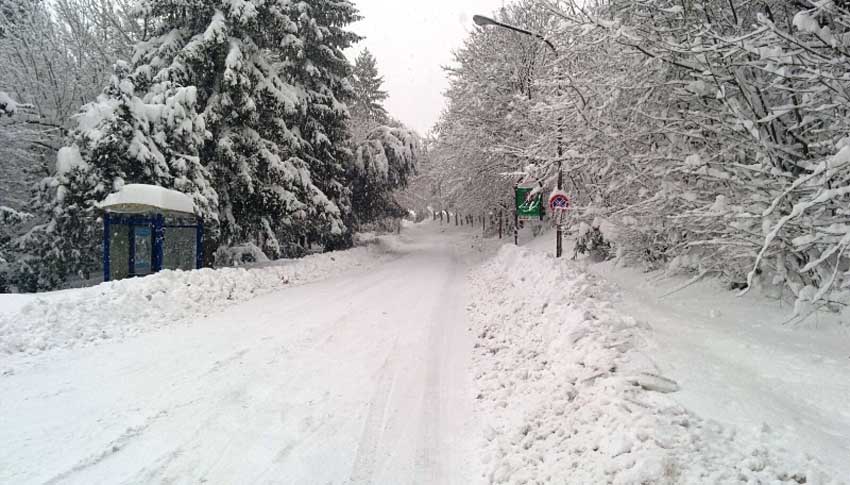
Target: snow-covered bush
column 637, row 246
column 8, row 106
column 590, row 240
column 239, row 255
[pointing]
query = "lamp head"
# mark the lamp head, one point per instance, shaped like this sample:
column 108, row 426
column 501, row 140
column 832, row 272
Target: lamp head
column 481, row 20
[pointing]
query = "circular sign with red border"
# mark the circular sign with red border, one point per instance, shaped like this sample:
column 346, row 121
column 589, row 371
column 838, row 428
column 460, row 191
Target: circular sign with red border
column 559, row 200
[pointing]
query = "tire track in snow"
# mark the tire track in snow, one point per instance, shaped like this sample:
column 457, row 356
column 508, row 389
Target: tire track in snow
column 429, row 459
column 428, row 452
column 364, row 461
column 110, row 449
column 302, row 345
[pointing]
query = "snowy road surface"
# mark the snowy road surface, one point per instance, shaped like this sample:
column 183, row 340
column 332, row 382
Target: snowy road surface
column 359, row 379
column 410, row 363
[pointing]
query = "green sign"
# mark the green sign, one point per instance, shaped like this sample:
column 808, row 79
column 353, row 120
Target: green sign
column 528, row 208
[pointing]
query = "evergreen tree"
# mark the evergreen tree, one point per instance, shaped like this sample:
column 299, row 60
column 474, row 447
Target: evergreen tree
column 254, row 151
column 156, row 140
column 317, row 67
column 68, row 243
column 386, row 151
column 367, row 106
column 383, row 163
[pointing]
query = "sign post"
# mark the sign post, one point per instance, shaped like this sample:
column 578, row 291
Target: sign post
column 559, row 202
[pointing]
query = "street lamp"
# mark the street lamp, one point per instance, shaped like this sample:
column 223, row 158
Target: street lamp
column 483, row 21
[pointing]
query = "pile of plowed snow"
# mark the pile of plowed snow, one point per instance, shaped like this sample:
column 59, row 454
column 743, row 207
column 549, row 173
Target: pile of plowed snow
column 567, row 395
column 119, row 309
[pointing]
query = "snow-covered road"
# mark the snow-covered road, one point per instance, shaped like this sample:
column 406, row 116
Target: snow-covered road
column 358, row 379
column 432, row 357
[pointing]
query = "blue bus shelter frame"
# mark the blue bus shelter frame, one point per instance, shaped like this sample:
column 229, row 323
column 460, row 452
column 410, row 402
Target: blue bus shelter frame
column 157, row 224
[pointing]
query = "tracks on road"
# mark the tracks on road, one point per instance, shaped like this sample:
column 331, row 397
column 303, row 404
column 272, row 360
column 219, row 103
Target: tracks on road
column 360, row 379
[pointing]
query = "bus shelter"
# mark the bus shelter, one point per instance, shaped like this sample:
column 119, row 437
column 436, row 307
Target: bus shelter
column 147, row 228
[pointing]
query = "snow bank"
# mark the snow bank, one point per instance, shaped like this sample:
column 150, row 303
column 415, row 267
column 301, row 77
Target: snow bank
column 119, row 309
column 568, row 396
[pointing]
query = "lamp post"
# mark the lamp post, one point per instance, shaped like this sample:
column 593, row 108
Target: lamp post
column 483, row 21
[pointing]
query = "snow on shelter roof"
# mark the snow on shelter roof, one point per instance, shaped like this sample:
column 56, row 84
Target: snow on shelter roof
column 137, row 198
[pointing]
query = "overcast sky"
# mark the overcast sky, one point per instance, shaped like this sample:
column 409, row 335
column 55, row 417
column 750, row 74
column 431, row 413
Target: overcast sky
column 412, row 40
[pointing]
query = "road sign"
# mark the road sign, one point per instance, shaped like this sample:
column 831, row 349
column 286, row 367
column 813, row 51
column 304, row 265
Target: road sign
column 528, row 206
column 559, row 200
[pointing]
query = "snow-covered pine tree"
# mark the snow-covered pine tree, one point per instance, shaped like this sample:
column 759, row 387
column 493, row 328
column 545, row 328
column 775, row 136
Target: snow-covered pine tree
column 386, row 151
column 156, row 140
column 368, row 102
column 316, row 66
column 226, row 49
column 67, row 244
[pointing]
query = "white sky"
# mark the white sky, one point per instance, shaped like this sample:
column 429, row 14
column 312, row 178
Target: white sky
column 412, row 40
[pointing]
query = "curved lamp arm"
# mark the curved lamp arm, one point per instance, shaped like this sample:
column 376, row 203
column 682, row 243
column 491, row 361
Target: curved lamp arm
column 483, row 21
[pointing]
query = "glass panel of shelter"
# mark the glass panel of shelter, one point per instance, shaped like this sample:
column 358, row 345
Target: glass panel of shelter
column 179, row 247
column 119, row 251
column 133, row 249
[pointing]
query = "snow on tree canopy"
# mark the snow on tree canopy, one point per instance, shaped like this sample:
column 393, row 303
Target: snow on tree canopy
column 134, row 198
column 388, row 155
column 69, row 158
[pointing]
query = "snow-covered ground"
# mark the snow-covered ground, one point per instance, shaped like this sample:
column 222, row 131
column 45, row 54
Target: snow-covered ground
column 355, row 379
column 429, row 357
column 71, row 318
column 569, row 391
column 740, row 363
